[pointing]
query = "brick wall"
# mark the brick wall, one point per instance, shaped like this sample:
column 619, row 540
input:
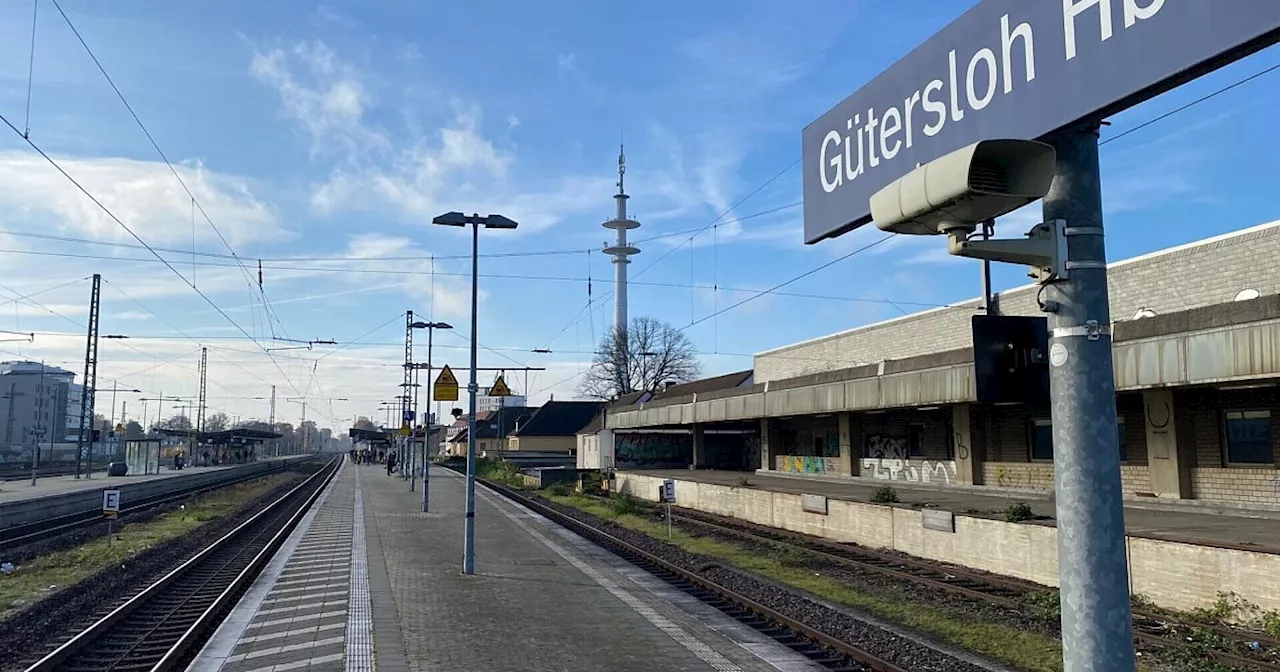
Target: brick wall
column 1171, row 574
column 936, row 426
column 1204, row 420
column 1208, row 272
column 806, row 464
column 1241, row 485
column 1038, row 477
column 1035, row 477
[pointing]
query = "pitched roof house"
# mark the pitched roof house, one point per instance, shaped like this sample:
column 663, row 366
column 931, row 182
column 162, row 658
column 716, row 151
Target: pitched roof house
column 554, row 427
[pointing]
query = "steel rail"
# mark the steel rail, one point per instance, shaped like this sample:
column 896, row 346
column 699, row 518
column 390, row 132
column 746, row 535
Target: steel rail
column 839, row 553
column 213, row 614
column 85, row 638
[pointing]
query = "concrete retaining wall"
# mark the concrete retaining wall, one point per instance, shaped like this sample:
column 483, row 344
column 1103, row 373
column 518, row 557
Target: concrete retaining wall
column 25, row 511
column 1170, row 574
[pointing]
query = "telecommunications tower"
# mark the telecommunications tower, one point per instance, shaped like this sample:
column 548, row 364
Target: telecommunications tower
column 620, row 250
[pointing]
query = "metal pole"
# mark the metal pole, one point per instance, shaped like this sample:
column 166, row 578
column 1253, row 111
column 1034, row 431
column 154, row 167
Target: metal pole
column 35, row 445
column 426, row 440
column 8, row 425
column 1097, row 631
column 469, row 523
column 114, row 385
column 988, row 302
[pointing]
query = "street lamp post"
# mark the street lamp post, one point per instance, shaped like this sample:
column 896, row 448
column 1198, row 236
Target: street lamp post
column 489, row 222
column 426, row 438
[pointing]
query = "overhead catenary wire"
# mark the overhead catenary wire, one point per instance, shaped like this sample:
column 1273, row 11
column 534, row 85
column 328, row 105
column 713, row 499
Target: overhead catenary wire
column 195, row 204
column 138, row 238
column 717, row 312
column 669, row 252
column 346, row 259
column 77, row 323
column 201, row 342
column 31, row 65
column 445, row 346
column 780, row 285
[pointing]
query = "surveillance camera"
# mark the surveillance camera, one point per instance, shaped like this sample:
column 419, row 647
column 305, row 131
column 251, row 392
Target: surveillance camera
column 956, row 192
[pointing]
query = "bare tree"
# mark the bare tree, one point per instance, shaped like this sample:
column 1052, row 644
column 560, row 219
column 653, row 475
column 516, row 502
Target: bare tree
column 641, row 358
column 177, row 422
column 216, row 422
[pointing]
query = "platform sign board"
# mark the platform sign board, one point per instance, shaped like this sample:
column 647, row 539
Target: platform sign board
column 446, row 386
column 110, row 503
column 1014, row 69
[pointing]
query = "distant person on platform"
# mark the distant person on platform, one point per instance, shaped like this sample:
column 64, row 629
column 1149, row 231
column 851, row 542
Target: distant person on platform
column 391, row 463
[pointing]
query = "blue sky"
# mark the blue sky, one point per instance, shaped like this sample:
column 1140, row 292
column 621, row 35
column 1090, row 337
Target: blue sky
column 322, row 138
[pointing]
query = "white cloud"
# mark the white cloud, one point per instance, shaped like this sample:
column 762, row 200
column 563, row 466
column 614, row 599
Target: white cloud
column 455, row 167
column 447, row 296
column 567, row 64
column 143, row 194
column 728, row 63
column 327, row 99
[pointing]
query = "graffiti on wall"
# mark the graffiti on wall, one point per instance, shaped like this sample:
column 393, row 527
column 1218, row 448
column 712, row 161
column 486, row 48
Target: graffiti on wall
column 911, row 471
column 885, row 446
column 653, row 450
column 807, row 464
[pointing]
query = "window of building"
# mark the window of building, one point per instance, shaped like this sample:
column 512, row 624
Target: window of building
column 915, row 440
column 1042, row 439
column 1124, row 449
column 1248, row 437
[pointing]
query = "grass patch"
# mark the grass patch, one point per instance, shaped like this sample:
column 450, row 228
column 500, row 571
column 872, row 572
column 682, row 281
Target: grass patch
column 1017, row 512
column 501, row 471
column 33, row 580
column 884, row 495
column 1027, row 650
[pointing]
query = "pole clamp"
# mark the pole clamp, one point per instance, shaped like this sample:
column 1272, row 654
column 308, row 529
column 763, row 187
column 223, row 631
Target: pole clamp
column 1082, row 231
column 1090, row 330
column 1086, row 264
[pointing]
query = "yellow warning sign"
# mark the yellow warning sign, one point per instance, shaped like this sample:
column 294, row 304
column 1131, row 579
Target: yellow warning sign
column 499, row 388
column 446, row 386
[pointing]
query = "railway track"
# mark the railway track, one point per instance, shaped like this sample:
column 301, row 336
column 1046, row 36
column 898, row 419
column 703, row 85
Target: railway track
column 162, row 626
column 18, row 472
column 1150, row 628
column 18, row 535
column 829, row 651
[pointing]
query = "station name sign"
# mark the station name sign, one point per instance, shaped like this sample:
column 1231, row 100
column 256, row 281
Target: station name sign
column 1014, row 69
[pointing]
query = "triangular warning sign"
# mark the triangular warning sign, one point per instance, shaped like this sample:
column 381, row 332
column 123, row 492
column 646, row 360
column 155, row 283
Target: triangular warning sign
column 499, row 388
column 446, row 377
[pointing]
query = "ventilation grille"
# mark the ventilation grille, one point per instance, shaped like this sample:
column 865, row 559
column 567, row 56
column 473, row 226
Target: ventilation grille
column 988, row 176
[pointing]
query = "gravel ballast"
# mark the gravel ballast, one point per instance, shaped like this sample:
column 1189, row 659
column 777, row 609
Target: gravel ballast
column 888, row 646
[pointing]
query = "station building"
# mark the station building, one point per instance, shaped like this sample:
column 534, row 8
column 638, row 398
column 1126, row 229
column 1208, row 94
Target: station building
column 1196, row 332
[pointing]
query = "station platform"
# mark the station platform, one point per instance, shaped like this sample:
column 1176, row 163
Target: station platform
column 53, row 486
column 369, row 581
column 1182, row 521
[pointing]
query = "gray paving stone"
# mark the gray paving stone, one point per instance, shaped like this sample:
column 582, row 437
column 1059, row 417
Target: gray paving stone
column 535, row 603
